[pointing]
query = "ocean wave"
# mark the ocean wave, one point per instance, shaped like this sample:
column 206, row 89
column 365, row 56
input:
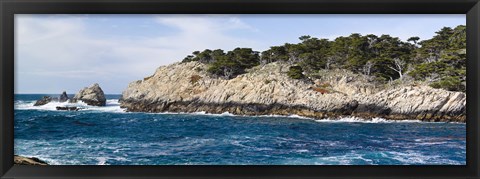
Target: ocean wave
column 287, row 116
column 112, row 105
column 363, row 120
column 201, row 113
column 350, row 119
column 412, row 157
column 377, row 158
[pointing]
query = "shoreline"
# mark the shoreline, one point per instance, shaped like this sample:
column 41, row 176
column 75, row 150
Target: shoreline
column 345, row 119
column 272, row 110
column 255, row 110
column 368, row 118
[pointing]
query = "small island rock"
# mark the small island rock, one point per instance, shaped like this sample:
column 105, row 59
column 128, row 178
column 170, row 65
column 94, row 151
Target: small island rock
column 67, row 108
column 92, row 95
column 43, row 101
column 63, row 97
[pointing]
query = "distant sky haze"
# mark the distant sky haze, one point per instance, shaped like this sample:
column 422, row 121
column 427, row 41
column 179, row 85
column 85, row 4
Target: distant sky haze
column 56, row 53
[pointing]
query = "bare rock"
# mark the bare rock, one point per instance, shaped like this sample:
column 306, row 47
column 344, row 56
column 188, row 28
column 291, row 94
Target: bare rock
column 19, row 160
column 419, row 102
column 92, row 95
column 43, row 101
column 267, row 90
column 63, row 97
column 67, row 108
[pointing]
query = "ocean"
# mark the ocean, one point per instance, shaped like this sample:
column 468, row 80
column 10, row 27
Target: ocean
column 110, row 136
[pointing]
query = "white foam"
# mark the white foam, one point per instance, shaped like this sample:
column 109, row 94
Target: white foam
column 351, row 119
column 362, row 120
column 297, row 116
column 411, row 157
column 199, row 113
column 210, row 114
column 101, row 160
column 112, row 105
column 353, row 158
column 287, row 116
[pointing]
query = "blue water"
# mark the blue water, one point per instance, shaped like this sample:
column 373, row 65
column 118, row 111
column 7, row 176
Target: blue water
column 110, row 136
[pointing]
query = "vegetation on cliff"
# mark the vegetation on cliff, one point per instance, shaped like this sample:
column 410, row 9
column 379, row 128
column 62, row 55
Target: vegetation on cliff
column 439, row 61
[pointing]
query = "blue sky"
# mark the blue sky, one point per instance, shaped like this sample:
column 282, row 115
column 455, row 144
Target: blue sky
column 56, row 53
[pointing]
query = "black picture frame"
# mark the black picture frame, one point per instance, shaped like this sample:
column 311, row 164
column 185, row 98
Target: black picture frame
column 11, row 7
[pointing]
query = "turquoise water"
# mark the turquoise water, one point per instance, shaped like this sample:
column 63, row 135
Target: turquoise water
column 109, row 136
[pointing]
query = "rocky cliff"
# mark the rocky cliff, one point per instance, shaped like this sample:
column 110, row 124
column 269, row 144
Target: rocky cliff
column 265, row 90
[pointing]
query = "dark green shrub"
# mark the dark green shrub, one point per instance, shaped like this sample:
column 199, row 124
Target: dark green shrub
column 451, row 83
column 295, row 72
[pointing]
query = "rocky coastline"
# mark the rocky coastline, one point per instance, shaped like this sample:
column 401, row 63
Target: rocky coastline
column 267, row 90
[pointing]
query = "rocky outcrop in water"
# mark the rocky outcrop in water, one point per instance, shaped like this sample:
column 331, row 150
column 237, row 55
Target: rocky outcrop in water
column 265, row 90
column 63, row 97
column 19, row 160
column 67, row 108
column 43, row 101
column 92, row 95
column 47, row 99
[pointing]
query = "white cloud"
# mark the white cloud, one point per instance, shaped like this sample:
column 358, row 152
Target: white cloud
column 54, row 50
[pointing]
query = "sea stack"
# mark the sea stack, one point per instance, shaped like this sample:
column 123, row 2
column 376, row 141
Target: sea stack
column 63, row 97
column 92, row 95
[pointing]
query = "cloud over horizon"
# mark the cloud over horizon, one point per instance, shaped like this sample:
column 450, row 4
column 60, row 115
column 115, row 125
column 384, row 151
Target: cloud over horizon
column 68, row 52
column 60, row 53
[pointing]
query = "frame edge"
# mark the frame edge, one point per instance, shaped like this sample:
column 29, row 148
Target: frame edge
column 7, row 85
column 473, row 42
column 6, row 88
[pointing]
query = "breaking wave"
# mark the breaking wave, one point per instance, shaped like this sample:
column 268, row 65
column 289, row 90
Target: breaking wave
column 112, row 105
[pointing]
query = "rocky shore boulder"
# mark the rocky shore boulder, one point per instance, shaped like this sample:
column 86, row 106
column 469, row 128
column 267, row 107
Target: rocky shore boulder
column 68, row 108
column 92, row 95
column 267, row 89
column 19, row 160
column 43, row 101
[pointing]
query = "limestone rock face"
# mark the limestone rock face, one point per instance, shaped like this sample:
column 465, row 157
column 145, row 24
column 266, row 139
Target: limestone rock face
column 264, row 90
column 43, row 101
column 92, row 95
column 420, row 102
column 19, row 160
